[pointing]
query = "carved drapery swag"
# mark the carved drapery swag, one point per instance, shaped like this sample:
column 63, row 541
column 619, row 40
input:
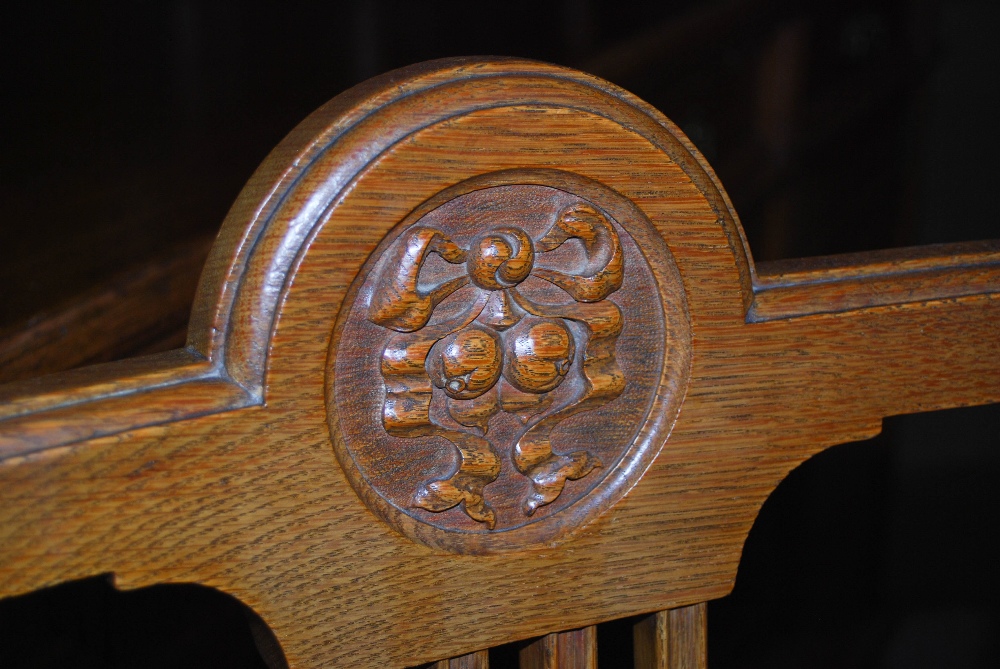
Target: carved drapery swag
column 503, row 352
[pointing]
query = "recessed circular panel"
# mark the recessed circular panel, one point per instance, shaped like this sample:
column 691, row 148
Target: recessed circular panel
column 512, row 360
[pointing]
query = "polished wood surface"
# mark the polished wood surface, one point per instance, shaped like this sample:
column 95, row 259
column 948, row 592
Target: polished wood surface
column 478, row 660
column 218, row 464
column 570, row 336
column 575, row 649
column 674, row 639
column 785, row 288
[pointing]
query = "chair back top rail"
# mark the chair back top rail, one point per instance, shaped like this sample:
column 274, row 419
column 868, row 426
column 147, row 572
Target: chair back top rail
column 479, row 354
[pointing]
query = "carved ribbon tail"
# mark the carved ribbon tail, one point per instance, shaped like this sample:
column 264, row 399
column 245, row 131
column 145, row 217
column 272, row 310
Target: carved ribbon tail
column 603, row 381
column 399, row 304
column 601, row 275
column 479, row 465
column 604, row 269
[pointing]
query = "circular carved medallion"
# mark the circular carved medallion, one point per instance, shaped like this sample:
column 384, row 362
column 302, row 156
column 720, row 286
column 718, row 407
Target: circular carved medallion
column 510, row 360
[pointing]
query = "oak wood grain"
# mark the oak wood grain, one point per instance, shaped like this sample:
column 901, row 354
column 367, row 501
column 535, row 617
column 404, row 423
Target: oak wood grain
column 218, row 464
column 674, row 639
column 628, row 340
column 62, row 409
column 575, row 649
column 477, row 660
column 828, row 284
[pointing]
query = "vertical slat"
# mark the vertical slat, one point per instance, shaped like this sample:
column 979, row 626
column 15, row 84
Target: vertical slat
column 576, row 649
column 478, row 660
column 542, row 654
column 674, row 639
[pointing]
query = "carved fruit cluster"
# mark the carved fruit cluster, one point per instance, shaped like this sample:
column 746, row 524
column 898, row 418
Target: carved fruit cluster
column 502, row 352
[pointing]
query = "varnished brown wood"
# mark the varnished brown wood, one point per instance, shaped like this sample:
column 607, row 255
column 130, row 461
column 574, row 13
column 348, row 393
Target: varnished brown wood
column 510, row 396
column 478, row 660
column 673, row 639
column 222, row 464
column 576, row 649
column 63, row 409
column 831, row 284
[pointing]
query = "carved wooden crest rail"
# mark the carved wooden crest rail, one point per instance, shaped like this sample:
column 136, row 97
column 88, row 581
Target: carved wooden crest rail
column 479, row 354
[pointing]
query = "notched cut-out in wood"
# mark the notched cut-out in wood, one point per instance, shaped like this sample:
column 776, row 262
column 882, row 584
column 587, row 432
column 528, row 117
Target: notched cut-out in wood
column 499, row 318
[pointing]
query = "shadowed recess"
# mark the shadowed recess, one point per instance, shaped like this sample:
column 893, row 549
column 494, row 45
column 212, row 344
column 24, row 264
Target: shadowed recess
column 89, row 624
column 875, row 553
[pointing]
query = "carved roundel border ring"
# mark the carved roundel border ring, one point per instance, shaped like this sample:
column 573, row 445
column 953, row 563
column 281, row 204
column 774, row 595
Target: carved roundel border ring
column 508, row 362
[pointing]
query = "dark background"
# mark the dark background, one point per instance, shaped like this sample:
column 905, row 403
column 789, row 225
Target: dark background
column 835, row 126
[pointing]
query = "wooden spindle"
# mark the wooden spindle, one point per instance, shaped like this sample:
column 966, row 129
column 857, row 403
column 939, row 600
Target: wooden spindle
column 673, row 639
column 576, row 649
column 477, row 660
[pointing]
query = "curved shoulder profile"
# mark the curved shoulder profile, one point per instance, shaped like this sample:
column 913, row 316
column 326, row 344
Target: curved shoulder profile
column 479, row 354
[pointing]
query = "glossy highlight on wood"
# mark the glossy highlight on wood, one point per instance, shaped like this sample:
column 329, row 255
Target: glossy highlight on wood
column 674, row 639
column 497, row 329
column 503, row 313
column 575, row 649
column 478, row 660
column 250, row 460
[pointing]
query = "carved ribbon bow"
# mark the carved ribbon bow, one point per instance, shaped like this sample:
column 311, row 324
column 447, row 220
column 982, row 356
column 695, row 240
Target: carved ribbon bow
column 504, row 352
